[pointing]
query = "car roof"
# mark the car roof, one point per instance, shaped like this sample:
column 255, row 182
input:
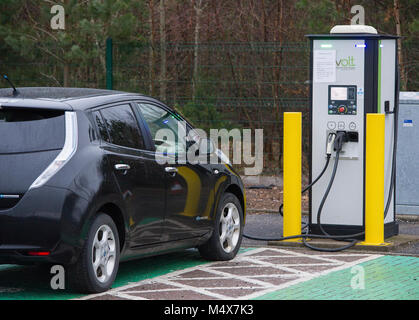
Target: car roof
column 64, row 98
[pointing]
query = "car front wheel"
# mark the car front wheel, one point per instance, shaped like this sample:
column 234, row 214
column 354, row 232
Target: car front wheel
column 228, row 230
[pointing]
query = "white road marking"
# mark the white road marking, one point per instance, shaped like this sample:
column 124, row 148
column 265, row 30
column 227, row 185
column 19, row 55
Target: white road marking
column 249, row 259
column 309, row 277
column 124, row 295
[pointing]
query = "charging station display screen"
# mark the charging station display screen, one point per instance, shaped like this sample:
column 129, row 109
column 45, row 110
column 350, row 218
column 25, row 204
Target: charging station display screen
column 339, row 93
column 342, row 99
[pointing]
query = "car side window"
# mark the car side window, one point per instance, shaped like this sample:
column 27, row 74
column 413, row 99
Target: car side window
column 122, row 126
column 159, row 118
column 103, row 132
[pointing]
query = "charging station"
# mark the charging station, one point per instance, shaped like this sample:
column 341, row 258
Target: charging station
column 354, row 71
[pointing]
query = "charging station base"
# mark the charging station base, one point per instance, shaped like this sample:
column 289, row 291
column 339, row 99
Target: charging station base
column 391, row 229
column 395, row 244
column 297, row 240
column 374, row 244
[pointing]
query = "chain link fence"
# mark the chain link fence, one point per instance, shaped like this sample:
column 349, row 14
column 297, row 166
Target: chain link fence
column 215, row 85
column 223, row 85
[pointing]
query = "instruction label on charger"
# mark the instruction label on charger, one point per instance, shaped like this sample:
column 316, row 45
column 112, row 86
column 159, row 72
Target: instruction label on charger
column 324, row 66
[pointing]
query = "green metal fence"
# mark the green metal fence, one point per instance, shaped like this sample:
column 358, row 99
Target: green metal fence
column 235, row 85
column 216, row 85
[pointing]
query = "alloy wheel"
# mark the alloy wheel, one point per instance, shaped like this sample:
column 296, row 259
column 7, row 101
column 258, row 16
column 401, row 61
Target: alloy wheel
column 229, row 227
column 104, row 253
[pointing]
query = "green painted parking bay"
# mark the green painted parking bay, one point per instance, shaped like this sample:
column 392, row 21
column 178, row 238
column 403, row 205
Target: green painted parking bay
column 33, row 283
column 386, row 278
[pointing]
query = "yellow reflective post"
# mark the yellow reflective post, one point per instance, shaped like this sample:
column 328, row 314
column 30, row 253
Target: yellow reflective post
column 374, row 180
column 292, row 174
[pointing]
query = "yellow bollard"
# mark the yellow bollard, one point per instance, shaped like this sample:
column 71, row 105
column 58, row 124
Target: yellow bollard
column 292, row 174
column 374, row 180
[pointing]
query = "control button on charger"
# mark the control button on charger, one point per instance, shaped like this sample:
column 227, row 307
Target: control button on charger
column 331, row 125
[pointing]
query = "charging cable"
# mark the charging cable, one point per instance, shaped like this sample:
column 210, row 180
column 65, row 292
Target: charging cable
column 336, row 140
column 329, row 147
column 340, row 140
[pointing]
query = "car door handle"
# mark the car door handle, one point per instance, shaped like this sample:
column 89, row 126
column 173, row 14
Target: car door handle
column 121, row 166
column 171, row 170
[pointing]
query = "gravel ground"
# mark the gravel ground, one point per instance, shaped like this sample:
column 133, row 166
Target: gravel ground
column 261, row 199
column 413, row 229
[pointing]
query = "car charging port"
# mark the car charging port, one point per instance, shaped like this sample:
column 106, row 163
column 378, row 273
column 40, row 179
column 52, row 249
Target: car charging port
column 352, row 136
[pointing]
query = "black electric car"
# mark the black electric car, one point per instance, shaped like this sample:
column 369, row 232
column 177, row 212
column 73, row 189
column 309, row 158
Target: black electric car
column 82, row 184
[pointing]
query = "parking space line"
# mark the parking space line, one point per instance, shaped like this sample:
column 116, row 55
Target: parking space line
column 124, row 295
column 150, row 281
column 242, row 278
column 280, row 267
column 312, row 276
column 248, row 276
column 191, row 288
column 387, row 277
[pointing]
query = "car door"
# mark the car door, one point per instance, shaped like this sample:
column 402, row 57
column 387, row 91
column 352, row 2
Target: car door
column 188, row 186
column 141, row 187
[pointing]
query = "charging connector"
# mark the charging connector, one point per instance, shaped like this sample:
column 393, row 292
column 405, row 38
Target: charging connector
column 341, row 138
column 330, row 143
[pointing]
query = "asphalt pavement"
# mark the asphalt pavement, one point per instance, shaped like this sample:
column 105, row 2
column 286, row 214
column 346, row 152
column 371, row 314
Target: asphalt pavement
column 270, row 225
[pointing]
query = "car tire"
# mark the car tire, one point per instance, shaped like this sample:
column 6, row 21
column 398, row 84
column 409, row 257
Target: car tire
column 97, row 265
column 227, row 236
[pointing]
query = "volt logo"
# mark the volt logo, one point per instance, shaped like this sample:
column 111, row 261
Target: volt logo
column 346, row 62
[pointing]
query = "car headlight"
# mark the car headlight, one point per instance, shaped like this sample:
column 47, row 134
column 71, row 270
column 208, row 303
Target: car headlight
column 223, row 157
